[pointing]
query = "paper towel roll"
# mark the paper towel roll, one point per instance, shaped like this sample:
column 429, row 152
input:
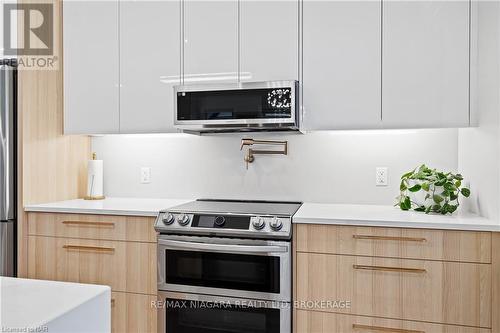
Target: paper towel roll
column 95, row 179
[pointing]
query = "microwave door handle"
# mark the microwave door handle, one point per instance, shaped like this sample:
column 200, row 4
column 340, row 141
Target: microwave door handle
column 172, row 244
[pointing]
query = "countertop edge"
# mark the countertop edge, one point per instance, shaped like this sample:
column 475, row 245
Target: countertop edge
column 398, row 224
column 33, row 209
column 145, row 207
column 92, row 291
column 105, row 291
column 309, row 213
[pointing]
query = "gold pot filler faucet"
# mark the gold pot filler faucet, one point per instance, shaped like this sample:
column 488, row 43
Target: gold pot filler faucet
column 249, row 156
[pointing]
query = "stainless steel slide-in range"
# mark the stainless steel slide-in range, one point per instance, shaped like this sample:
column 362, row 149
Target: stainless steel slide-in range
column 225, row 266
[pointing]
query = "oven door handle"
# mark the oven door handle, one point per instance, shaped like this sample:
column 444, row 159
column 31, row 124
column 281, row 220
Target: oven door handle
column 173, row 244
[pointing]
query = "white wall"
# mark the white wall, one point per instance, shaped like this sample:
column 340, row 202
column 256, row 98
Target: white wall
column 336, row 167
column 479, row 147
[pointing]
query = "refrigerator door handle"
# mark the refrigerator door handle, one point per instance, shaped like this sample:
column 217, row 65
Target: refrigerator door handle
column 7, row 143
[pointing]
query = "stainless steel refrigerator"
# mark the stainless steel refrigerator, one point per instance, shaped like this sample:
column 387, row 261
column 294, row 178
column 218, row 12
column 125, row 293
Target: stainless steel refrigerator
column 8, row 167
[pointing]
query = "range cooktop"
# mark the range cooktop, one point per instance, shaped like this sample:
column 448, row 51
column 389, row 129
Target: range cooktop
column 230, row 218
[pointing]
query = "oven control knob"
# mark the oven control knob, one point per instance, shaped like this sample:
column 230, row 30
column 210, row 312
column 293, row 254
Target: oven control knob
column 183, row 219
column 219, row 221
column 168, row 219
column 276, row 224
column 259, row 223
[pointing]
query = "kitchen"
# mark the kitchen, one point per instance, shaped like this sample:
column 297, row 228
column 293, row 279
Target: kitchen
column 252, row 162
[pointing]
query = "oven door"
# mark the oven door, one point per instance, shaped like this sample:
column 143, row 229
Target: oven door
column 188, row 313
column 256, row 269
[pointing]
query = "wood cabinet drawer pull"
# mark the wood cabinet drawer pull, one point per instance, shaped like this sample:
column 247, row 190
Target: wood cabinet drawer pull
column 89, row 248
column 390, row 269
column 86, row 223
column 391, row 238
column 112, row 302
column 383, row 329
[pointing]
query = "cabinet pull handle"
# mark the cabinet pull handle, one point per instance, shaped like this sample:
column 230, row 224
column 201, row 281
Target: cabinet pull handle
column 390, row 269
column 93, row 224
column 89, row 248
column 391, row 238
column 383, row 329
column 112, row 302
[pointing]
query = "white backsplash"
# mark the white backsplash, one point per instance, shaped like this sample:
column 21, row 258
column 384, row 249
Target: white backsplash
column 336, row 167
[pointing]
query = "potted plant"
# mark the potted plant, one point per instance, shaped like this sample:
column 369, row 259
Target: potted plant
column 431, row 191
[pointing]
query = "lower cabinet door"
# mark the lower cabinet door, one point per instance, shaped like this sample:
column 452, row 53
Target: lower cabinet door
column 105, row 227
column 133, row 313
column 421, row 290
column 124, row 266
column 321, row 322
column 411, row 243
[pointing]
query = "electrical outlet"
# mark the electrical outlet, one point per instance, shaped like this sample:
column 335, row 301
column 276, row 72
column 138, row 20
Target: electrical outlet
column 381, row 176
column 145, row 175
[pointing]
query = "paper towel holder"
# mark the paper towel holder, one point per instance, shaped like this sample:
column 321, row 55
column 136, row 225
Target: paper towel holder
column 91, row 197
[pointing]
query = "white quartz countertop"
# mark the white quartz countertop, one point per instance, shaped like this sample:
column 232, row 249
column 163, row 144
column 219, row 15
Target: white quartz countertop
column 389, row 216
column 315, row 213
column 34, row 304
column 108, row 206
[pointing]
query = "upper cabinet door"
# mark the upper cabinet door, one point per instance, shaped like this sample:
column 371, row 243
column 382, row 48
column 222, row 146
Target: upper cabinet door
column 149, row 64
column 210, row 48
column 341, row 64
column 91, row 74
column 425, row 64
column 269, row 46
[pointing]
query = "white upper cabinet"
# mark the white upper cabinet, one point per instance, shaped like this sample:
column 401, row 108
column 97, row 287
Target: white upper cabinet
column 91, row 74
column 210, row 48
column 150, row 64
column 425, row 64
column 341, row 64
column 361, row 64
column 269, row 46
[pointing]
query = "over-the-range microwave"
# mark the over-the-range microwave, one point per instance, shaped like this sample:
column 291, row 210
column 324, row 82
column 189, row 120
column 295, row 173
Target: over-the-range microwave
column 234, row 107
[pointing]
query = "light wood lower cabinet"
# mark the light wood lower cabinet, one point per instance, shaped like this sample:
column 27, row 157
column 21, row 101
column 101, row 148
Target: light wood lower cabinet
column 396, row 280
column 125, row 266
column 132, row 313
column 433, row 291
column 321, row 322
column 110, row 227
column 118, row 251
column 447, row 245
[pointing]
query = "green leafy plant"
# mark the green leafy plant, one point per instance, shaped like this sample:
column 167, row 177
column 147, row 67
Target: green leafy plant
column 442, row 191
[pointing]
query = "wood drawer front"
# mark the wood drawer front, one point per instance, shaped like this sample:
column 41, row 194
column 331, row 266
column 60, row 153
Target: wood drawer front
column 132, row 313
column 432, row 291
column 125, row 266
column 321, row 322
column 126, row 228
column 449, row 245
